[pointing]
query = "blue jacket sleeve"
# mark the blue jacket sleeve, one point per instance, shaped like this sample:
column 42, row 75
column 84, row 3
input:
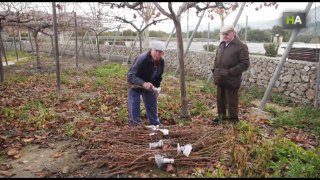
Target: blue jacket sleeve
column 133, row 72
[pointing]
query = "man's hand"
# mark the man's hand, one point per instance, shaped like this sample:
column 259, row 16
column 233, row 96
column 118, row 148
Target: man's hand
column 148, row 86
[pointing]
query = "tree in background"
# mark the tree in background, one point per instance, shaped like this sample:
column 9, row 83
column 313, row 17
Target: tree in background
column 147, row 14
column 100, row 22
column 140, row 8
column 7, row 10
column 223, row 12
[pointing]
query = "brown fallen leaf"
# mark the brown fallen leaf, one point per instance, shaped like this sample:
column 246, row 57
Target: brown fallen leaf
column 144, row 175
column 7, row 173
column 301, row 137
column 170, row 168
column 26, row 140
column 199, row 170
column 107, row 118
column 185, row 173
column 150, row 158
column 292, row 130
column 40, row 137
column 13, row 152
column 40, row 174
column 17, row 156
column 4, row 166
column 57, row 154
column 166, row 147
column 47, row 125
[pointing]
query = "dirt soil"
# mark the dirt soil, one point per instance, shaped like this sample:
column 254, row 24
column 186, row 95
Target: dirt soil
column 60, row 159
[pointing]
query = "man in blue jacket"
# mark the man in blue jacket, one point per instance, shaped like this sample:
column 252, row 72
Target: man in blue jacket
column 144, row 75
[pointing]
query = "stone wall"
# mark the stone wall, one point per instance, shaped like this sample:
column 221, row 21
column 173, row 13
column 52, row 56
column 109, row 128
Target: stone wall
column 297, row 79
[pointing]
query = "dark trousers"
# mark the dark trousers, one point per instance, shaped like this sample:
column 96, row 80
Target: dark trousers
column 228, row 99
column 150, row 103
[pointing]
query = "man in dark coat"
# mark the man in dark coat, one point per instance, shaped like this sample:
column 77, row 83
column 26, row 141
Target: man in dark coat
column 143, row 77
column 232, row 58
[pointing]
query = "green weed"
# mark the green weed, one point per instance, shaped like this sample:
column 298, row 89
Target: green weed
column 11, row 55
column 291, row 160
column 112, row 70
column 280, row 99
column 199, row 107
column 272, row 110
column 123, row 114
column 247, row 95
column 35, row 114
column 303, row 117
column 64, row 79
column 16, row 78
column 210, row 89
column 70, row 129
column 8, row 112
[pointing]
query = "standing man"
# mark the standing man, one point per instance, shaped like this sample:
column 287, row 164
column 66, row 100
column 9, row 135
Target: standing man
column 232, row 58
column 144, row 75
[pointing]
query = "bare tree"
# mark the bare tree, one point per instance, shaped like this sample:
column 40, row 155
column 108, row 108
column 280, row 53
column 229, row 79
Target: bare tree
column 141, row 9
column 40, row 21
column 223, row 12
column 7, row 9
column 229, row 7
column 146, row 14
column 35, row 21
column 100, row 22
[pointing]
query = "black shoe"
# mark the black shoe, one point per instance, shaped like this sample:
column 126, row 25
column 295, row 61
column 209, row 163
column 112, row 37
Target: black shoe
column 234, row 120
column 215, row 121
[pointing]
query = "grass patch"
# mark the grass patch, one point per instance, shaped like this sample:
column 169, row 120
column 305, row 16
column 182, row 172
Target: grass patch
column 272, row 110
column 11, row 55
column 210, row 89
column 64, row 79
column 16, row 78
column 304, row 117
column 70, row 129
column 247, row 95
column 199, row 107
column 98, row 83
column 280, row 99
column 109, row 70
column 292, row 161
column 277, row 157
column 35, row 114
column 8, row 113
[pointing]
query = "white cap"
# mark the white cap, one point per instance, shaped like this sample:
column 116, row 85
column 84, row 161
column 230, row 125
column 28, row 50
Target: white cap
column 227, row 28
column 158, row 45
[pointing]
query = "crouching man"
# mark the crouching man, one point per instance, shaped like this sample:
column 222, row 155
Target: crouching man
column 144, row 75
